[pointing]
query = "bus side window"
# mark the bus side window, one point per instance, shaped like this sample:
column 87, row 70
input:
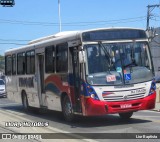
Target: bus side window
column 62, row 58
column 8, row 65
column 50, row 59
column 21, row 63
column 30, row 62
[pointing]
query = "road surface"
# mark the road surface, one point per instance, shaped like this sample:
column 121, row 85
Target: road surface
column 13, row 119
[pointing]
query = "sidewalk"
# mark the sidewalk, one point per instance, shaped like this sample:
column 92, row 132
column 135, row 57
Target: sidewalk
column 157, row 106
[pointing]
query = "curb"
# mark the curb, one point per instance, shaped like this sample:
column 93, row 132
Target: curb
column 157, row 107
column 156, row 110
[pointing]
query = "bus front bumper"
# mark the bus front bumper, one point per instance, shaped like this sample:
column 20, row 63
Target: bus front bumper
column 95, row 108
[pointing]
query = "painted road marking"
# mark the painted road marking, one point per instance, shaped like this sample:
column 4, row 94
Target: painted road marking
column 10, row 104
column 15, row 113
column 49, row 128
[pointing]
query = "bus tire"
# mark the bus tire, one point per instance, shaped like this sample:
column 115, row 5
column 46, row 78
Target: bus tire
column 126, row 115
column 25, row 101
column 67, row 109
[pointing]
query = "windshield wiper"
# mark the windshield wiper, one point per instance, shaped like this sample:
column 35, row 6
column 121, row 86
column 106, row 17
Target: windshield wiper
column 107, row 55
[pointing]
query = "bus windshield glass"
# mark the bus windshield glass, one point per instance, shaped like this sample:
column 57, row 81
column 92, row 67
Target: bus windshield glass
column 118, row 63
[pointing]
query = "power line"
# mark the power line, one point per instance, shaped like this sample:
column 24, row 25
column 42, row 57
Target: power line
column 12, row 43
column 29, row 22
column 111, row 23
column 21, row 40
column 126, row 20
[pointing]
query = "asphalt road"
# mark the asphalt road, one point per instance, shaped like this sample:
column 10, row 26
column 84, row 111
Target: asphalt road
column 141, row 122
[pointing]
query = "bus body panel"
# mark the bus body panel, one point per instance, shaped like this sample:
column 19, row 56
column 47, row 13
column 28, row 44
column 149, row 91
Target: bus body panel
column 94, row 108
column 54, row 87
column 119, row 93
column 27, row 84
column 118, row 99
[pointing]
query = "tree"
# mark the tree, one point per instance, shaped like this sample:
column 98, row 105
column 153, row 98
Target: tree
column 2, row 63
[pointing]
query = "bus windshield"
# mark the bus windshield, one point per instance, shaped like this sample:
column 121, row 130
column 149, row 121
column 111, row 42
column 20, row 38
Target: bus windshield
column 118, row 63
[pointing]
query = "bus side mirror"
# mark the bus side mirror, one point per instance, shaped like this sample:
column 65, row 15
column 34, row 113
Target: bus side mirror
column 82, row 57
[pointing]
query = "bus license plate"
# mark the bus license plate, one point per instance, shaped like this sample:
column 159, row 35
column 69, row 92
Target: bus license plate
column 126, row 106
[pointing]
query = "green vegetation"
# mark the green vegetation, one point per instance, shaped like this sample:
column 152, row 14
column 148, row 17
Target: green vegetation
column 2, row 63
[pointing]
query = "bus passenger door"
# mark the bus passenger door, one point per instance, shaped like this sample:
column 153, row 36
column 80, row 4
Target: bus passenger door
column 40, row 79
column 76, row 78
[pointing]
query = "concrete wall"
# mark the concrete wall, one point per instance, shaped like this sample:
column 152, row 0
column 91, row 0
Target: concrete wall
column 158, row 93
column 155, row 51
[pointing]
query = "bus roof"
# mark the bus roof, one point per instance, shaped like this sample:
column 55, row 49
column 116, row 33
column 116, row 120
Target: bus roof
column 45, row 39
column 60, row 34
column 64, row 34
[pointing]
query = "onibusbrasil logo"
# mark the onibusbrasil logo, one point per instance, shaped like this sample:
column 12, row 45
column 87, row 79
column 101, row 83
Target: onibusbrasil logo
column 7, row 3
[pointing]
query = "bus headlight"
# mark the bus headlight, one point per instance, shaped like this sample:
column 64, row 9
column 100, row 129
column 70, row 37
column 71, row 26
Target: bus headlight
column 92, row 93
column 153, row 88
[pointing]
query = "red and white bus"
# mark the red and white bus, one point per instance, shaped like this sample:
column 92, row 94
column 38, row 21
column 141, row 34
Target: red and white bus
column 92, row 72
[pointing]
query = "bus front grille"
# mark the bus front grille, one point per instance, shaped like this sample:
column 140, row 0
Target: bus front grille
column 115, row 98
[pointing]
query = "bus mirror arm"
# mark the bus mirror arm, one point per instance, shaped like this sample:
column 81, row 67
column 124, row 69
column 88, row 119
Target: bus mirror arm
column 82, row 57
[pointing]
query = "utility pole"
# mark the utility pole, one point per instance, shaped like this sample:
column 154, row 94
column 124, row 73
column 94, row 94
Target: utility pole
column 150, row 9
column 59, row 13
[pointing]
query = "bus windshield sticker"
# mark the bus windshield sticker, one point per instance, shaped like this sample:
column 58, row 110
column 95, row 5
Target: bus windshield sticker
column 124, row 71
column 111, row 78
column 127, row 76
column 119, row 69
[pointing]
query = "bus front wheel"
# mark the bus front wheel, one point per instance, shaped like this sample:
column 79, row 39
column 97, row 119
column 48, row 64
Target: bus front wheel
column 67, row 109
column 126, row 115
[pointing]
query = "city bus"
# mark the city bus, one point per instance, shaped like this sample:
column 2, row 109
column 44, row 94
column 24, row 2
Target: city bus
column 89, row 73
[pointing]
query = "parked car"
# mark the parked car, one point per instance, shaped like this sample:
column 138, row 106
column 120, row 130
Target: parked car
column 2, row 88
